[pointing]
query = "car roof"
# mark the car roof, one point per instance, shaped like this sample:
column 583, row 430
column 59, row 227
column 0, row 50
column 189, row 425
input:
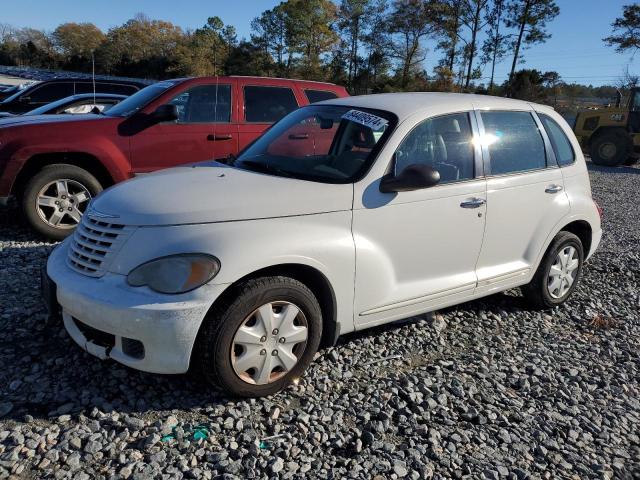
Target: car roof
column 81, row 96
column 253, row 77
column 404, row 105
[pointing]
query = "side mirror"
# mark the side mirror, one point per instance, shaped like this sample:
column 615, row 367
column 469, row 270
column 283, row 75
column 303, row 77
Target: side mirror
column 414, row 177
column 165, row 113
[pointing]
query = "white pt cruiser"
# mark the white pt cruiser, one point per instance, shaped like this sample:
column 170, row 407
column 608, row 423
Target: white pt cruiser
column 346, row 214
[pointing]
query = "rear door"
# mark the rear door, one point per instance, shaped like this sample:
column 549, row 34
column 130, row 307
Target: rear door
column 261, row 106
column 525, row 196
column 204, row 130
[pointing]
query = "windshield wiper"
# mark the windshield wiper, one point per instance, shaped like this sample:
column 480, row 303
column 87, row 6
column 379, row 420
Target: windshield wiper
column 266, row 168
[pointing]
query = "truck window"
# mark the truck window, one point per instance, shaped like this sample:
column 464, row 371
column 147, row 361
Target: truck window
column 319, row 95
column 268, row 104
column 50, row 92
column 202, row 104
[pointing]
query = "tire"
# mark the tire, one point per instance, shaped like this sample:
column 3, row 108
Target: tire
column 537, row 292
column 44, row 185
column 217, row 356
column 610, row 149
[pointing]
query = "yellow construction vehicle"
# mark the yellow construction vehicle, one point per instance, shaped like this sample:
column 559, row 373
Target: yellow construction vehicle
column 611, row 135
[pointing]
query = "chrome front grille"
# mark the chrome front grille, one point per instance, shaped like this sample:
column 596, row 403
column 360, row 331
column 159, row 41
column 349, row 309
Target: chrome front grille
column 93, row 245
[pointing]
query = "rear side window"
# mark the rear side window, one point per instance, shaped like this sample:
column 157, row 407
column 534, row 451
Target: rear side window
column 559, row 141
column 319, row 95
column 50, row 92
column 515, row 143
column 268, row 104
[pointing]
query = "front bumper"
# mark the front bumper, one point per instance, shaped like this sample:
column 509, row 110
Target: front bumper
column 105, row 316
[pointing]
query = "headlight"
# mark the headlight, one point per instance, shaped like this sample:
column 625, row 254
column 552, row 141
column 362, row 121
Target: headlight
column 175, row 273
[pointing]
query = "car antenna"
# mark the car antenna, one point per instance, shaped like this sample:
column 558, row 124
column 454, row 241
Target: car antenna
column 215, row 106
column 93, row 75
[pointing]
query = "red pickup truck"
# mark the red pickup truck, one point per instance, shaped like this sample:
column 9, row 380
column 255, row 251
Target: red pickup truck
column 54, row 164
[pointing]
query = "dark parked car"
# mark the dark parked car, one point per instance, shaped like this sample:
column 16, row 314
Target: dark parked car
column 49, row 91
column 75, row 105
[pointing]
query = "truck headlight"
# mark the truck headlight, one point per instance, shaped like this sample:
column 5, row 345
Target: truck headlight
column 175, row 273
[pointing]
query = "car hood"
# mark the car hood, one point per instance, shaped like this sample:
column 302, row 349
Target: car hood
column 211, row 192
column 37, row 119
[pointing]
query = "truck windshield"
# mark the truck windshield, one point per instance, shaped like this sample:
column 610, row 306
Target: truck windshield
column 321, row 143
column 138, row 100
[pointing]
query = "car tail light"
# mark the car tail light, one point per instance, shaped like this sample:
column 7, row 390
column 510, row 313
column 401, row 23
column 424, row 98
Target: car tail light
column 600, row 210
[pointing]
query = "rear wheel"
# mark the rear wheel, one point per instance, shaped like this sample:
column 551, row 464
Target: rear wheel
column 261, row 338
column 610, row 148
column 558, row 274
column 55, row 198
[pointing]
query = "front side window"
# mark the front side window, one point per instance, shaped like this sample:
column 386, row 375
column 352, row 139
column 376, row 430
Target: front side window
column 204, row 104
column 50, row 92
column 444, row 143
column 514, row 141
column 330, row 144
column 319, row 95
column 559, row 141
column 268, row 104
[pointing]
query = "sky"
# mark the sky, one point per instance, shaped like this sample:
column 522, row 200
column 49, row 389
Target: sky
column 575, row 50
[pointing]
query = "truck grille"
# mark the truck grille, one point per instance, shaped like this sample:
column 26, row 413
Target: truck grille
column 93, row 245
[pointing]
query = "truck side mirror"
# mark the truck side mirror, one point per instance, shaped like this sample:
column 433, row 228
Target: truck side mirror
column 165, row 113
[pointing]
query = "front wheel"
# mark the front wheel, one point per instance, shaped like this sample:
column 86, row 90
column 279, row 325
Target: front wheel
column 261, row 338
column 558, row 274
column 55, row 198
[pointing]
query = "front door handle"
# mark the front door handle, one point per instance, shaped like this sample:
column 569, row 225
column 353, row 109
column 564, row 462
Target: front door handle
column 216, row 138
column 473, row 203
column 553, row 188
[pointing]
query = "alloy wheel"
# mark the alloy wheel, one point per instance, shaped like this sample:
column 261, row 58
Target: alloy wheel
column 62, row 202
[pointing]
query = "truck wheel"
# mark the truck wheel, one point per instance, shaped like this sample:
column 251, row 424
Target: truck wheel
column 261, row 338
column 558, row 274
column 55, row 198
column 610, row 149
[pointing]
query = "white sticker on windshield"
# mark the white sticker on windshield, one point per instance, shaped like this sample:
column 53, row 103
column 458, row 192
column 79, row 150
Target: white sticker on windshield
column 367, row 119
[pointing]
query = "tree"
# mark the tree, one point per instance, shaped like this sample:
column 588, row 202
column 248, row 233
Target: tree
column 246, row 58
column 494, row 48
column 626, row 30
column 376, row 42
column 141, row 46
column 310, row 33
column 354, row 16
column 269, row 31
column 410, row 22
column 551, row 81
column 530, row 18
column 472, row 18
column 450, row 31
column 77, row 39
column 527, row 85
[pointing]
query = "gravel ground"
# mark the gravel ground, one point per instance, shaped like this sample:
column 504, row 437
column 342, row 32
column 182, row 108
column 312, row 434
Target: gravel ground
column 484, row 390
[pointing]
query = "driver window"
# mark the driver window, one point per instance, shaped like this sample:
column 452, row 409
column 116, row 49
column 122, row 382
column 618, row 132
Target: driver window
column 444, row 143
column 204, row 104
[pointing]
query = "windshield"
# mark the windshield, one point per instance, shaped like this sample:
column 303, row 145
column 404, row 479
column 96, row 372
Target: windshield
column 322, row 143
column 138, row 100
column 50, row 106
column 20, row 90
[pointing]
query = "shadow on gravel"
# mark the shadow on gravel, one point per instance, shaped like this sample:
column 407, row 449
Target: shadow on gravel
column 602, row 169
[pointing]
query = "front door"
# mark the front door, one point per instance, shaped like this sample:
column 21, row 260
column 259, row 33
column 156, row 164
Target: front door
column 525, row 198
column 417, row 250
column 203, row 131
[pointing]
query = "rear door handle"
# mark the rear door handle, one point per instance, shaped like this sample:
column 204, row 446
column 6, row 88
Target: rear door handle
column 473, row 203
column 553, row 188
column 215, row 138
